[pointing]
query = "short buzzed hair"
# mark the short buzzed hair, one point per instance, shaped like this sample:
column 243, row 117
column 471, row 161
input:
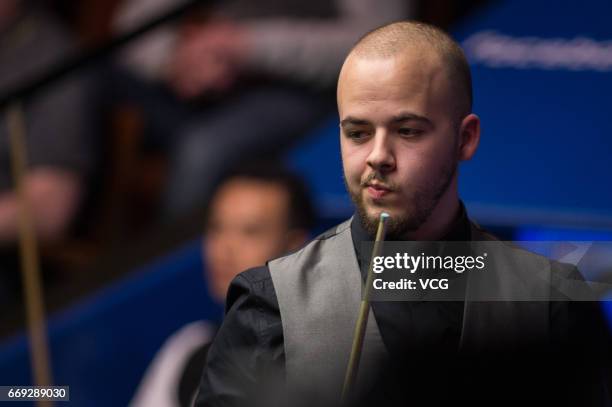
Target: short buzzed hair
column 301, row 209
column 391, row 39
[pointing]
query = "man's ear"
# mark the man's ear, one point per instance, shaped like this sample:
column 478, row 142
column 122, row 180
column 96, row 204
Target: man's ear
column 469, row 136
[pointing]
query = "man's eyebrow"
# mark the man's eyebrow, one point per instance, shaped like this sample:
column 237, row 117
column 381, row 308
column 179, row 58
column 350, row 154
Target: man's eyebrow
column 354, row 121
column 402, row 117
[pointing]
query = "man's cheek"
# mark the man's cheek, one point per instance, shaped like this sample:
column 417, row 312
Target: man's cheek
column 353, row 177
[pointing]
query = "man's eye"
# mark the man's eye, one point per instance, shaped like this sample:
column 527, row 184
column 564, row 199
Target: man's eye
column 356, row 135
column 409, row 132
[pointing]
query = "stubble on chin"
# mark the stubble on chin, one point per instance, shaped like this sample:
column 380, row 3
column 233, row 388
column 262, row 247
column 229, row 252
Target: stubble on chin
column 398, row 225
column 417, row 210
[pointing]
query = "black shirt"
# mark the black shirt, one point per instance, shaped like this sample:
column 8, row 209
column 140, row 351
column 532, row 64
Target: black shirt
column 250, row 341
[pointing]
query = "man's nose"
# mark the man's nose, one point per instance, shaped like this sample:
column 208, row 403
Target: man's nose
column 381, row 157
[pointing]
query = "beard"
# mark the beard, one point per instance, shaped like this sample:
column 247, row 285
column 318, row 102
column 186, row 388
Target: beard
column 419, row 205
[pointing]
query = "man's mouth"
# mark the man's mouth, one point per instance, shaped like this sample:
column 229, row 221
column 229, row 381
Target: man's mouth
column 378, row 191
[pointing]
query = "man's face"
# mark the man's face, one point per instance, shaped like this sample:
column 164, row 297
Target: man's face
column 248, row 225
column 399, row 138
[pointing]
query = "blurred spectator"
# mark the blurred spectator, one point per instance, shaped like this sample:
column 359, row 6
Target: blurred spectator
column 57, row 141
column 248, row 80
column 257, row 213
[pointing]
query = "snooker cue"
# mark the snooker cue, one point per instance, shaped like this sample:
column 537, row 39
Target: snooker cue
column 364, row 310
column 30, row 270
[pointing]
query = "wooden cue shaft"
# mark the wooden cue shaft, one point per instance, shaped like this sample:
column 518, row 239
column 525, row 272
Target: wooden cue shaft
column 364, row 310
column 29, row 254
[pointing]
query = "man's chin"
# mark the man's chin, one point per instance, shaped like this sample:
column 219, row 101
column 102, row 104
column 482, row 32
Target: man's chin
column 398, row 225
column 373, row 214
column 369, row 211
column 373, row 210
column 370, row 216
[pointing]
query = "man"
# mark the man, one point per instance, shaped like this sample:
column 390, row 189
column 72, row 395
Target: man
column 256, row 214
column 58, row 146
column 404, row 101
column 59, row 139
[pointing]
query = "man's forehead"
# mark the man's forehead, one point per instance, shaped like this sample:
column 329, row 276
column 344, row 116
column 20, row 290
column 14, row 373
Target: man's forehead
column 416, row 77
column 413, row 63
column 256, row 188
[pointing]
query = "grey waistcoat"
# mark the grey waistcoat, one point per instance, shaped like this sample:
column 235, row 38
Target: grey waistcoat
column 319, row 293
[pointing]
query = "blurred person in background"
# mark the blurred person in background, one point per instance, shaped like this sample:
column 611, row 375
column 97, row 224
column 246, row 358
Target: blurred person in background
column 257, row 213
column 239, row 81
column 58, row 144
